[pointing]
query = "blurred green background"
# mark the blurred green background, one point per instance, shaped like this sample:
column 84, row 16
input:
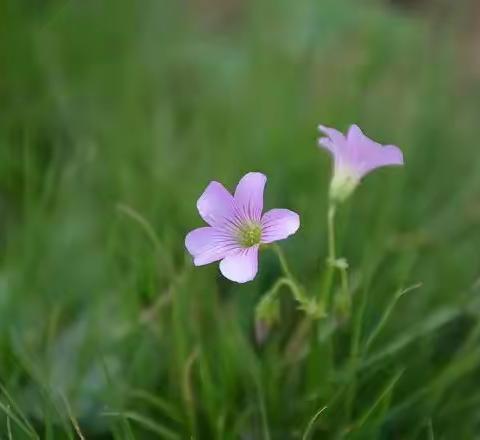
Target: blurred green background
column 115, row 115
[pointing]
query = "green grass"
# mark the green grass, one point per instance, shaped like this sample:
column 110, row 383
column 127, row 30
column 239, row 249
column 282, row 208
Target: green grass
column 115, row 115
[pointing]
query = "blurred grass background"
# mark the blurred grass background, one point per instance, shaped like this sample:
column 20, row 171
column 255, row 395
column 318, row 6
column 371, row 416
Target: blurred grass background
column 115, row 115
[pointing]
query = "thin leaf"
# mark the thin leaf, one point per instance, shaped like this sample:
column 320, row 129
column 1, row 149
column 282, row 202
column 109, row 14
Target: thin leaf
column 161, row 404
column 11, row 415
column 147, row 423
column 311, row 423
column 386, row 314
column 14, row 405
column 74, row 422
column 383, row 394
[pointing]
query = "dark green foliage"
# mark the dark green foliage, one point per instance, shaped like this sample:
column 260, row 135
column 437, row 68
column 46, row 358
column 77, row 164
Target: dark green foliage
column 114, row 116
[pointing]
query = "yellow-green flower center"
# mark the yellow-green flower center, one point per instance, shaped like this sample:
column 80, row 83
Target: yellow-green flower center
column 249, row 234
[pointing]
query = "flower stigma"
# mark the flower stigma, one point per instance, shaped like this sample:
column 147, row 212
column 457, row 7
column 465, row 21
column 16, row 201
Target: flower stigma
column 250, row 234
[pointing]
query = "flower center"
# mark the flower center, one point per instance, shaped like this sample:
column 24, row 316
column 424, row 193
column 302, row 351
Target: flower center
column 249, row 234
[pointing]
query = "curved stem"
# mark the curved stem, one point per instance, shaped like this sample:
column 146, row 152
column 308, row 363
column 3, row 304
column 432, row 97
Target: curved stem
column 283, row 261
column 297, row 294
column 290, row 281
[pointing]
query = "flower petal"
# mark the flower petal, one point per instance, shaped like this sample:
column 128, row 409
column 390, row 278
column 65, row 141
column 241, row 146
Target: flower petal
column 336, row 136
column 355, row 135
column 249, row 196
column 208, row 244
column 326, row 142
column 240, row 266
column 216, row 204
column 335, row 143
column 385, row 156
column 278, row 224
column 367, row 154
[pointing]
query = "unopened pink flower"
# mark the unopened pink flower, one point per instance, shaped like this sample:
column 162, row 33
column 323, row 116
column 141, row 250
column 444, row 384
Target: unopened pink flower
column 354, row 156
column 237, row 227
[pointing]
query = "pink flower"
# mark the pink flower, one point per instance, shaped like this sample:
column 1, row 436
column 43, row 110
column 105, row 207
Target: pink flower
column 237, row 227
column 354, row 155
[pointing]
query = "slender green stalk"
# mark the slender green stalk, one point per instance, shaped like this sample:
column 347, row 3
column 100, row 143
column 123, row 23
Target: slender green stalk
column 187, row 390
column 430, row 431
column 283, row 262
column 325, row 298
column 290, row 281
column 344, row 303
column 72, row 418
column 383, row 394
column 311, row 423
column 344, row 278
column 263, row 411
column 9, row 426
column 331, row 231
column 386, row 314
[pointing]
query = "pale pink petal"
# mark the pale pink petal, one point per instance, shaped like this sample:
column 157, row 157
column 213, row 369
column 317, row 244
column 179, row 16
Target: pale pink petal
column 278, row 224
column 364, row 154
column 389, row 155
column 240, row 266
column 336, row 136
column 249, row 196
column 356, row 136
column 208, row 244
column 335, row 143
column 216, row 205
column 327, row 143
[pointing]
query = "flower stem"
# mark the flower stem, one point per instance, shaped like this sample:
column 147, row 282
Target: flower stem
column 344, row 304
column 331, row 231
column 306, row 304
column 331, row 258
column 283, row 261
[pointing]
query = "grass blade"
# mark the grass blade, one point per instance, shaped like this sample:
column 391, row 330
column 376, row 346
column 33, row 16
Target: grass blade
column 146, row 423
column 311, row 423
column 383, row 394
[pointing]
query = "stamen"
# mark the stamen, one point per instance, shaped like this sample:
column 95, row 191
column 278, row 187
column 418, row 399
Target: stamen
column 249, row 234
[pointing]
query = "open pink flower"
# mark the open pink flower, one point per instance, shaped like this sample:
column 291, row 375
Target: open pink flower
column 355, row 155
column 237, row 227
